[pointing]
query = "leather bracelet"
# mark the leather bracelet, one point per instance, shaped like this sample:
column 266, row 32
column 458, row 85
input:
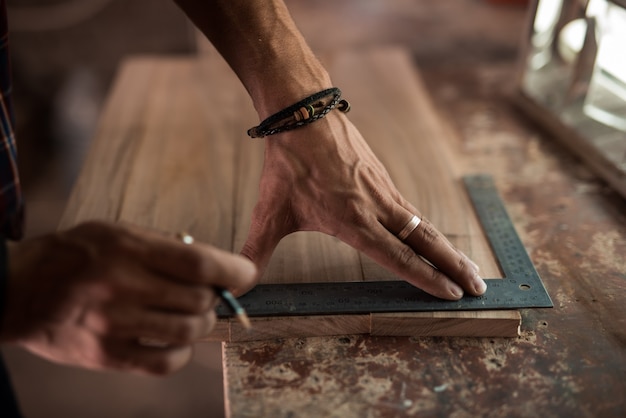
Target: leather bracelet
column 306, row 111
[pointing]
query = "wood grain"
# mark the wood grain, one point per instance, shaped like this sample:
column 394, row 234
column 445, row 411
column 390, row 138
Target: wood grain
column 413, row 324
column 447, row 324
column 171, row 154
column 305, row 326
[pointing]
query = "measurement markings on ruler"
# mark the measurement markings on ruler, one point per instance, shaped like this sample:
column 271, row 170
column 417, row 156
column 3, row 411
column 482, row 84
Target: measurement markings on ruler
column 521, row 286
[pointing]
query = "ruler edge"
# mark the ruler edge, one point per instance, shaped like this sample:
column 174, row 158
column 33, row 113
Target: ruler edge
column 534, row 276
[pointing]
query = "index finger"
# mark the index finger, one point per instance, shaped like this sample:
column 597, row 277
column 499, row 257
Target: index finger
column 433, row 246
column 199, row 263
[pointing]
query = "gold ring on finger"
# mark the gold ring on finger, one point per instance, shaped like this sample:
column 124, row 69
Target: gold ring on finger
column 409, row 228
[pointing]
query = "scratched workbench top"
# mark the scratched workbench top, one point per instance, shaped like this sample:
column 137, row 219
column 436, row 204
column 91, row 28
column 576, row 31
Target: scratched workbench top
column 568, row 361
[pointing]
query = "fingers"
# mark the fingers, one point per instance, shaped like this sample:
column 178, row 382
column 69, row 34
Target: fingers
column 158, row 292
column 142, row 341
column 431, row 244
column 425, row 258
column 119, row 246
column 125, row 322
column 85, row 296
column 391, row 253
column 130, row 356
column 263, row 237
column 166, row 294
column 201, row 263
column 446, row 268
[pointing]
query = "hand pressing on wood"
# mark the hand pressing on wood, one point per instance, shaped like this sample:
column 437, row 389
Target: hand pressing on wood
column 107, row 296
column 324, row 177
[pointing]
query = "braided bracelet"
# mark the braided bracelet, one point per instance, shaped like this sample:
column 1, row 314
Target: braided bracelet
column 302, row 113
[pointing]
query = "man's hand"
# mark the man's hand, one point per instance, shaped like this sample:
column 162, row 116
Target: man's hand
column 321, row 177
column 324, row 177
column 89, row 296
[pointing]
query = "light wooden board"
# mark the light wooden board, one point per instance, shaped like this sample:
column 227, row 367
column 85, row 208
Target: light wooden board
column 415, row 324
column 171, row 154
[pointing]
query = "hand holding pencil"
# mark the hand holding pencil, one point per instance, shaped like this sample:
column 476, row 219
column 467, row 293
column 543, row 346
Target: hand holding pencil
column 112, row 296
column 227, row 297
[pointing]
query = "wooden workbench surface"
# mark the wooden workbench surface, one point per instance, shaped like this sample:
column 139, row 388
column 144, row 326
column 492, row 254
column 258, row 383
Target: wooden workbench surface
column 568, row 361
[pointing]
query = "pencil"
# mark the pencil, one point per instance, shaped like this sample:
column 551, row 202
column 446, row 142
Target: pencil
column 234, row 306
column 228, row 298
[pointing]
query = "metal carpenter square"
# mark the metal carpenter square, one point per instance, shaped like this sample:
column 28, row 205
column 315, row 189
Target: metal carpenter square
column 521, row 286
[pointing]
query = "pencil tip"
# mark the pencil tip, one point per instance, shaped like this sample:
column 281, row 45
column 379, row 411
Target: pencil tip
column 245, row 321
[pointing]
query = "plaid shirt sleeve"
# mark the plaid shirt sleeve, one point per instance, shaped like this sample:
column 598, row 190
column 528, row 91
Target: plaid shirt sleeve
column 11, row 202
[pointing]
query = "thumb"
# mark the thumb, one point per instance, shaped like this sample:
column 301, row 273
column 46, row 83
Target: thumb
column 262, row 240
column 271, row 220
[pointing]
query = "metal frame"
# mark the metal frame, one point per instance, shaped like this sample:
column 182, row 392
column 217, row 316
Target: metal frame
column 568, row 136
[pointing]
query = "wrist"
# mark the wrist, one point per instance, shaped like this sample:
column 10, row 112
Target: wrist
column 286, row 82
column 319, row 140
column 261, row 43
column 301, row 113
column 280, row 69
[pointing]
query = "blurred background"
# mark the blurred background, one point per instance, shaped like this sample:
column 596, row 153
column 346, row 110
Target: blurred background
column 65, row 54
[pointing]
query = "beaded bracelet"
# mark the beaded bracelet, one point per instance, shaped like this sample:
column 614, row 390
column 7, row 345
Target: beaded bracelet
column 302, row 113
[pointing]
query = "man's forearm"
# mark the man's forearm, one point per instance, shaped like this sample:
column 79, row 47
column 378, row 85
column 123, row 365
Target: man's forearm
column 262, row 45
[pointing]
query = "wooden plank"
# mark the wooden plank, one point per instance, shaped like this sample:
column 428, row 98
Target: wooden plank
column 174, row 156
column 221, row 331
column 306, row 326
column 447, row 324
column 100, row 187
column 185, row 148
column 161, row 157
column 414, row 324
